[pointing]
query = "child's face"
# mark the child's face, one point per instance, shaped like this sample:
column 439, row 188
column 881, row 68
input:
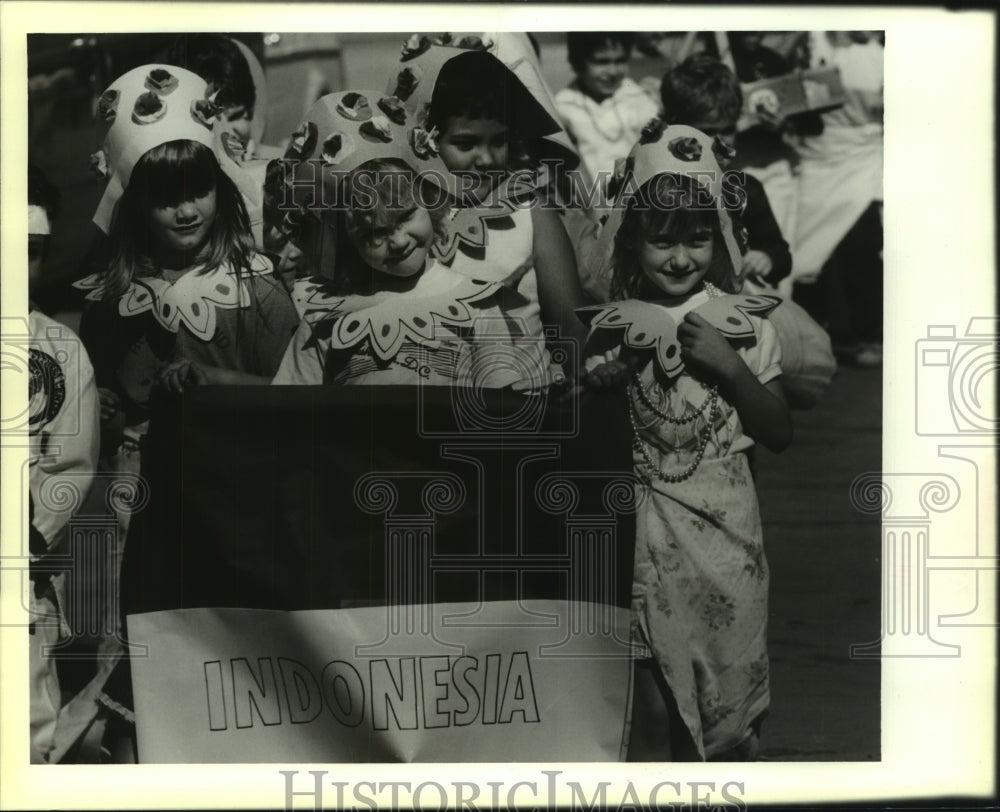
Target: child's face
column 290, row 257
column 676, row 266
column 185, row 227
column 237, row 120
column 475, row 146
column 399, row 250
column 604, row 71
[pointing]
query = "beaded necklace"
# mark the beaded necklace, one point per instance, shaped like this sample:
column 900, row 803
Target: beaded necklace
column 710, row 404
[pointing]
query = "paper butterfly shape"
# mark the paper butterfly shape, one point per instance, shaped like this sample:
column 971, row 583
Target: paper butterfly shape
column 649, row 327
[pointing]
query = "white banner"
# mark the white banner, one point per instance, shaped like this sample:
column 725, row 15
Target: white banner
column 499, row 681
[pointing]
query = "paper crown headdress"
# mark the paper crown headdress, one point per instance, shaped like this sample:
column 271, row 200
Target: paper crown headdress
column 344, row 130
column 424, row 57
column 147, row 107
column 341, row 132
column 680, row 150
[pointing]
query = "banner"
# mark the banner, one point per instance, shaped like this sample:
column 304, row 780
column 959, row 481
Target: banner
column 497, row 681
column 446, row 573
column 306, row 497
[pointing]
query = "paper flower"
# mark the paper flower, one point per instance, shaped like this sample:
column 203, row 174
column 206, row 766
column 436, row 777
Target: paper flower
column 443, row 39
column 424, row 143
column 233, row 146
column 205, row 111
column 722, row 151
column 393, row 108
column 652, row 132
column 406, row 81
column 303, row 141
column 355, row 107
column 415, row 46
column 99, row 163
column 686, row 149
column 473, row 43
column 376, row 129
column 107, row 107
column 149, row 107
column 161, row 81
column 336, row 147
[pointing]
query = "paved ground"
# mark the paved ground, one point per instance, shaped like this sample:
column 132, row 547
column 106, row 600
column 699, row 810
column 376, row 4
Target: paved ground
column 825, row 578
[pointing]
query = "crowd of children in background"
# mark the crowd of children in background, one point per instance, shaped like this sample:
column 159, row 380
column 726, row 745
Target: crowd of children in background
column 223, row 261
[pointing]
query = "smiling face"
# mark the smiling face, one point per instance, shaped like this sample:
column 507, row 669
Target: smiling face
column 676, row 263
column 603, row 72
column 184, row 228
column 399, row 249
column 476, row 150
column 237, row 119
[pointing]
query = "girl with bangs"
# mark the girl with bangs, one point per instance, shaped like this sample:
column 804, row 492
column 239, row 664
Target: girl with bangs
column 184, row 298
column 381, row 310
column 701, row 365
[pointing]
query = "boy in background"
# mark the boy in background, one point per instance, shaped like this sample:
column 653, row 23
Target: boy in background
column 705, row 94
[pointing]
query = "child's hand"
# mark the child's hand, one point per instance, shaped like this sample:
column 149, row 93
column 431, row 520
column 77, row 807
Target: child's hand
column 704, row 348
column 608, row 375
column 756, row 263
column 174, row 377
column 110, row 404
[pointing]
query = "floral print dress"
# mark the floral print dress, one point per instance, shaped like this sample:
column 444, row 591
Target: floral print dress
column 699, row 593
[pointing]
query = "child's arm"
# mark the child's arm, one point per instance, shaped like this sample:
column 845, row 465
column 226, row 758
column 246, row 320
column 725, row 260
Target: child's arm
column 559, row 291
column 761, row 407
column 175, row 376
column 769, row 256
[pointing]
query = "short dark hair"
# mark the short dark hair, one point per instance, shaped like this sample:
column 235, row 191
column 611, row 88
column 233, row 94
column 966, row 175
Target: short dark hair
column 477, row 85
column 700, row 89
column 42, row 192
column 582, row 44
column 218, row 60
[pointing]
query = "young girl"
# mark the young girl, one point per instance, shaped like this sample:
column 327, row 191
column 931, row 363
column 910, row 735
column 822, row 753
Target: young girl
column 185, row 298
column 382, row 310
column 702, row 367
column 487, row 127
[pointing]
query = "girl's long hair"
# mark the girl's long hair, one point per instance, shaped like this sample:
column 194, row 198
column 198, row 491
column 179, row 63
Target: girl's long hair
column 168, row 175
column 667, row 204
column 374, row 196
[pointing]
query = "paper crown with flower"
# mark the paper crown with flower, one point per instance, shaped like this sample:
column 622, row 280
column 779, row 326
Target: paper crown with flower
column 341, row 132
column 150, row 106
column 423, row 57
column 344, row 130
column 680, row 150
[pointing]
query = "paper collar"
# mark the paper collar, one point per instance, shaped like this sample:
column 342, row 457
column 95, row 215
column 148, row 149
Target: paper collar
column 648, row 326
column 191, row 301
column 387, row 322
